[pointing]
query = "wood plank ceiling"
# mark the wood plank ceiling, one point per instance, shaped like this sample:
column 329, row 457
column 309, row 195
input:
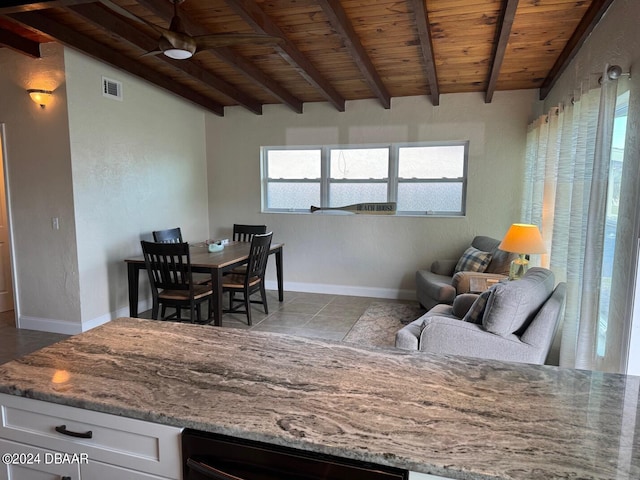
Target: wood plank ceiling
column 330, row 51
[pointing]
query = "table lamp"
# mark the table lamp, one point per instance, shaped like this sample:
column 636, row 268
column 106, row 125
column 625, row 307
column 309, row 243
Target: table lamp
column 522, row 239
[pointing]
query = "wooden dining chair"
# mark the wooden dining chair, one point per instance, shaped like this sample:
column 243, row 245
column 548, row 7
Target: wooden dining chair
column 171, row 235
column 169, row 268
column 174, row 235
column 244, row 233
column 252, row 280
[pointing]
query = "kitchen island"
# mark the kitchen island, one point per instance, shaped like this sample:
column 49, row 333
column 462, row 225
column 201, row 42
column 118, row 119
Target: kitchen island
column 454, row 417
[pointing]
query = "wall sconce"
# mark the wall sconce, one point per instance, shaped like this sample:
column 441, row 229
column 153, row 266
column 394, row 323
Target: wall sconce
column 41, row 97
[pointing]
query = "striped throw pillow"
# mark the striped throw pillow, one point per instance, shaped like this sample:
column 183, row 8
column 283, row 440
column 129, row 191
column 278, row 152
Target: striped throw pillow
column 476, row 312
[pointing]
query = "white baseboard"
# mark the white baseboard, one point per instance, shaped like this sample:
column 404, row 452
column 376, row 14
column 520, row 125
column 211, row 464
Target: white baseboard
column 143, row 306
column 344, row 290
column 67, row 327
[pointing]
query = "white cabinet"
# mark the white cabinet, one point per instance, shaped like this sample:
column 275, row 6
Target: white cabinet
column 92, row 444
column 98, row 470
column 30, row 463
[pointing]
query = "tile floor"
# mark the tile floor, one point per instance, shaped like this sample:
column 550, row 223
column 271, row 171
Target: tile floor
column 305, row 314
column 15, row 343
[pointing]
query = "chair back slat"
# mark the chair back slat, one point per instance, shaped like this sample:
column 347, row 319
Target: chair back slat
column 171, row 235
column 258, row 255
column 244, row 233
column 168, row 265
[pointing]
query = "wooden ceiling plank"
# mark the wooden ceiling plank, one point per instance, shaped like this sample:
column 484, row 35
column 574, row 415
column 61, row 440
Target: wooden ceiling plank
column 113, row 24
column 251, row 13
column 96, row 50
column 465, row 36
column 339, row 21
column 591, row 18
column 504, row 32
column 426, row 44
column 257, row 76
column 16, row 6
column 19, row 44
column 164, row 10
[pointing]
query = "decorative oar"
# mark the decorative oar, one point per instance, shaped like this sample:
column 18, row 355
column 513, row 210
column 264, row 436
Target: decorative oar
column 374, row 208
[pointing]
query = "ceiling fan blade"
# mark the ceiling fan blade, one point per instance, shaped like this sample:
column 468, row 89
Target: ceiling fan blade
column 125, row 13
column 151, row 53
column 205, row 42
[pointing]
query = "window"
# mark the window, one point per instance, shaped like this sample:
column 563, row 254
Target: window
column 613, row 201
column 422, row 178
column 293, row 179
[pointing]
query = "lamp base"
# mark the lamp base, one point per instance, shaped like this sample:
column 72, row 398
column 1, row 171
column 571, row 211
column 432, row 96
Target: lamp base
column 518, row 267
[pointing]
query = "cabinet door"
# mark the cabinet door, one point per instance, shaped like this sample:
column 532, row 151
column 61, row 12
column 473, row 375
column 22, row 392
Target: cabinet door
column 115, row 440
column 29, row 463
column 95, row 470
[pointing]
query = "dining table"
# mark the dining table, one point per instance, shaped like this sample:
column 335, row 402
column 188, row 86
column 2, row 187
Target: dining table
column 215, row 263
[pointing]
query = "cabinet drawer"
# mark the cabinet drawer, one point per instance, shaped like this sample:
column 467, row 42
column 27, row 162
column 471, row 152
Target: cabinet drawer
column 35, row 464
column 136, row 444
column 98, row 470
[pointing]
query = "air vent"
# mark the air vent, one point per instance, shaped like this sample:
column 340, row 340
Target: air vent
column 111, row 88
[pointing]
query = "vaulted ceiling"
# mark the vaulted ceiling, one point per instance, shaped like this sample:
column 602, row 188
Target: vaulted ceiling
column 327, row 50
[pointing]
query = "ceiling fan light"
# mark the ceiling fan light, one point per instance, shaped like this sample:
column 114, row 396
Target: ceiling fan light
column 178, row 53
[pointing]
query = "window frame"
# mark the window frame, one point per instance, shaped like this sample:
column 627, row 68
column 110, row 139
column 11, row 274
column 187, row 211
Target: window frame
column 392, row 180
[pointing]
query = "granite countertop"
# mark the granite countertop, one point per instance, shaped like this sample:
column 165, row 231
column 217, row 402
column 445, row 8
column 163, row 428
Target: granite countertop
column 455, row 417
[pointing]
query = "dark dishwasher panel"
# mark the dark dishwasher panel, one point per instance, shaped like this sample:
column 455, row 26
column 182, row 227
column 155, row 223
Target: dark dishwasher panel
column 207, row 456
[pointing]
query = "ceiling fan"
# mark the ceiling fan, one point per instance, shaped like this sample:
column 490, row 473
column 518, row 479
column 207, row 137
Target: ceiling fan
column 176, row 43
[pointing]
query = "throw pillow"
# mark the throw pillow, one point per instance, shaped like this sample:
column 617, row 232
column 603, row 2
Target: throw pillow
column 462, row 303
column 473, row 260
column 476, row 312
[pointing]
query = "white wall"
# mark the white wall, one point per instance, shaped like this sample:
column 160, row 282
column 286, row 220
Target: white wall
column 371, row 255
column 110, row 171
column 138, row 165
column 39, row 165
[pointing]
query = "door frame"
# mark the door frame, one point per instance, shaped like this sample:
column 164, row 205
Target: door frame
column 12, row 254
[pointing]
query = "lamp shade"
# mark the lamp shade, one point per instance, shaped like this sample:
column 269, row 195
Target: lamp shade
column 522, row 238
column 41, row 97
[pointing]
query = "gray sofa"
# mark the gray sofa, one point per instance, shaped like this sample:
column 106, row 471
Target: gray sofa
column 440, row 284
column 513, row 321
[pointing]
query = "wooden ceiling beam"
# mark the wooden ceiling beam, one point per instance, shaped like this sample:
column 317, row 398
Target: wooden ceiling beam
column 103, row 53
column 591, row 18
column 254, row 74
column 426, row 45
column 340, row 22
column 113, row 24
column 19, row 44
column 16, row 6
column 503, row 34
column 251, row 13
column 164, row 10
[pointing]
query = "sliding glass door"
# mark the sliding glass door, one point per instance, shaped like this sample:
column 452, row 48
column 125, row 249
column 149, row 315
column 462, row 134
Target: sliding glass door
column 613, row 203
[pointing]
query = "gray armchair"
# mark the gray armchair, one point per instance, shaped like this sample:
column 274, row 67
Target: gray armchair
column 440, row 284
column 518, row 322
